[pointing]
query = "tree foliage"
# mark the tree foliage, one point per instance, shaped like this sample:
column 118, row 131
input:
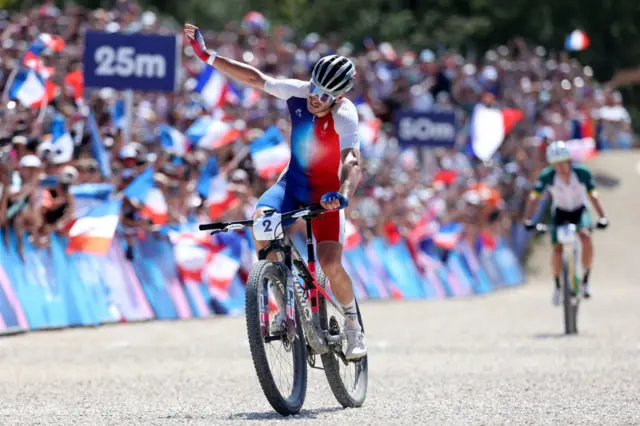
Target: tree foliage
column 466, row 25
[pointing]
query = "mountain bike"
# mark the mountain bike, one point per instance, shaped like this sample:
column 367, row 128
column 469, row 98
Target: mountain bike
column 313, row 322
column 571, row 291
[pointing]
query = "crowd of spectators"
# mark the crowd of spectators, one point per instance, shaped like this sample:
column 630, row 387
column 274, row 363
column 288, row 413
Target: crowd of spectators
column 398, row 186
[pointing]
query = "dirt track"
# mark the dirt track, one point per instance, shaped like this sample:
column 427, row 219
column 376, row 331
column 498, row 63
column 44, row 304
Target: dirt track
column 499, row 359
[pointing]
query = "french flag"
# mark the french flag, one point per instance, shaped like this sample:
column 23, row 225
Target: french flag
column 35, row 63
column 582, row 145
column 93, row 232
column 369, row 131
column 213, row 87
column 97, row 147
column 448, row 236
column 489, row 127
column 250, row 97
column 46, row 41
column 220, row 271
column 270, row 153
column 30, row 89
column 424, row 230
column 118, row 114
column 74, row 84
column 445, row 177
column 429, row 267
column 61, row 142
column 217, row 134
column 209, row 171
column 151, row 200
column 220, row 199
column 577, row 41
column 255, row 21
column 582, row 127
column 192, row 251
column 171, row 138
column 351, row 236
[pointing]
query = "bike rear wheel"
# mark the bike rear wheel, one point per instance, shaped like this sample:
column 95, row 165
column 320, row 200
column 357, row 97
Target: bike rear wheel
column 348, row 381
column 289, row 400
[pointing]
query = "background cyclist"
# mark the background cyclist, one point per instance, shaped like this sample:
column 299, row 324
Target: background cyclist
column 569, row 185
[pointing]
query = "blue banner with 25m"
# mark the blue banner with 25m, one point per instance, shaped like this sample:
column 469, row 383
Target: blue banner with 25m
column 436, row 128
column 133, row 61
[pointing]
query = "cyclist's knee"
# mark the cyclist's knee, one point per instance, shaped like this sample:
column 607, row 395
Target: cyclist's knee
column 557, row 249
column 259, row 212
column 585, row 239
column 330, row 258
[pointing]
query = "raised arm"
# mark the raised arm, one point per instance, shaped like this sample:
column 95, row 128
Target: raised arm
column 242, row 72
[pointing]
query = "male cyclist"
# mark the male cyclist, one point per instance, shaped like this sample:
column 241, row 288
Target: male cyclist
column 324, row 165
column 569, row 184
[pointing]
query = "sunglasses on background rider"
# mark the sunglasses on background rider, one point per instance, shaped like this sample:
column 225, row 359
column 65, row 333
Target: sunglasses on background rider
column 323, row 96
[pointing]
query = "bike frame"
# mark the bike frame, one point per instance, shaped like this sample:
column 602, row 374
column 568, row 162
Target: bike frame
column 570, row 252
column 295, row 264
column 568, row 237
column 312, row 290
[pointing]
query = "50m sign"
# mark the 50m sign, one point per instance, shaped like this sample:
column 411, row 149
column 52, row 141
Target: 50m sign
column 141, row 62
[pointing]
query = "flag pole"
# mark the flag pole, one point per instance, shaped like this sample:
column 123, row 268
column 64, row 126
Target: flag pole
column 12, row 76
column 44, row 106
column 128, row 98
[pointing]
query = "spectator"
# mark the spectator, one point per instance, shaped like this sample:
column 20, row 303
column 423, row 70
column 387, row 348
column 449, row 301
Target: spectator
column 397, row 191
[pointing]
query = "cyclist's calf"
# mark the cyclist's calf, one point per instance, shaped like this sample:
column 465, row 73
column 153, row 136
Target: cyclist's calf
column 587, row 250
column 330, row 259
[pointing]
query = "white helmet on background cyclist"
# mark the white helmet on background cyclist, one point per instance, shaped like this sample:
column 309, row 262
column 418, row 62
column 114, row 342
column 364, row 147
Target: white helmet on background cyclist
column 557, row 152
column 332, row 76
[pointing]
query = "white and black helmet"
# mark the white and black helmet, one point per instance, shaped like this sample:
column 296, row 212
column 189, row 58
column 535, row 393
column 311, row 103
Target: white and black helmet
column 557, row 152
column 334, row 74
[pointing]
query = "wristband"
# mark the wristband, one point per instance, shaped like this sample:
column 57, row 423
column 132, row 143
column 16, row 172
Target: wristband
column 212, row 56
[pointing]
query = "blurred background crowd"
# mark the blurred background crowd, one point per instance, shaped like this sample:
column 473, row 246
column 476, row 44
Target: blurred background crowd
column 402, row 190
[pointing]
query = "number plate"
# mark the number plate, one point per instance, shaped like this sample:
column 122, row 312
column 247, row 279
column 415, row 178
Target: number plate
column 268, row 228
column 567, row 234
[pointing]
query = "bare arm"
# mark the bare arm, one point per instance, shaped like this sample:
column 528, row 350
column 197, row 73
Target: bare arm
column 244, row 73
column 532, row 204
column 350, row 174
column 593, row 196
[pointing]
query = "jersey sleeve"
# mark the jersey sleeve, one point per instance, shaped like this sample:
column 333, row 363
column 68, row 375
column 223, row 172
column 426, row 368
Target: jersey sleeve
column 345, row 119
column 544, row 180
column 585, row 177
column 286, row 88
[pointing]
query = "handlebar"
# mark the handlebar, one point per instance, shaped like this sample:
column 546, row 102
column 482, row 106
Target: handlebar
column 305, row 212
column 542, row 228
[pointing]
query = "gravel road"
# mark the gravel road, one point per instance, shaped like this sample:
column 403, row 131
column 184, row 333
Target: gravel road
column 497, row 359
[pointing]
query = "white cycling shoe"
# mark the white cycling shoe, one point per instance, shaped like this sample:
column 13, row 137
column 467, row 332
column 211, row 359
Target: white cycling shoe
column 557, row 296
column 356, row 346
column 586, row 291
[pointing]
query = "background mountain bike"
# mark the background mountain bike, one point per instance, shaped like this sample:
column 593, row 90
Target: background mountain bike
column 570, row 278
column 313, row 322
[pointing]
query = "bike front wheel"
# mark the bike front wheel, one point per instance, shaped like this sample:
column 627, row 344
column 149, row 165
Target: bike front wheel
column 570, row 297
column 348, row 380
column 281, row 364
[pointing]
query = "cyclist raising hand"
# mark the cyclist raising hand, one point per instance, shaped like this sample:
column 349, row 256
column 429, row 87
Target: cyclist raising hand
column 325, row 161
